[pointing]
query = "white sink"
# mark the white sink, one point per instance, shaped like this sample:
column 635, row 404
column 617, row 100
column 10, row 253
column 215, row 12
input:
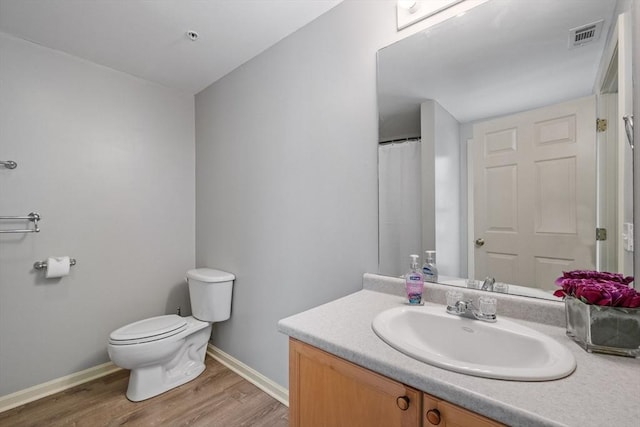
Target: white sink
column 502, row 350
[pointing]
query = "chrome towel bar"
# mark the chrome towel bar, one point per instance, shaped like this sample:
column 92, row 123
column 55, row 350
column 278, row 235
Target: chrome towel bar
column 33, row 217
column 9, row 164
column 41, row 265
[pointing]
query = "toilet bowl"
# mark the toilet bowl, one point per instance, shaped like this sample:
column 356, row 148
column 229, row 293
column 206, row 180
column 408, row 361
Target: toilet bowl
column 164, row 352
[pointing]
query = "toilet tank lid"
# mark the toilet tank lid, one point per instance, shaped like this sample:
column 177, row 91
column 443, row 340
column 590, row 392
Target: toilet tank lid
column 209, row 275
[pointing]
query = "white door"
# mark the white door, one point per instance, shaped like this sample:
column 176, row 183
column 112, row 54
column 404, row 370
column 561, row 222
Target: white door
column 534, row 194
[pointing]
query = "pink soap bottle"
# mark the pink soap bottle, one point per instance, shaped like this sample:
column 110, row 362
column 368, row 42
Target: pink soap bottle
column 414, row 282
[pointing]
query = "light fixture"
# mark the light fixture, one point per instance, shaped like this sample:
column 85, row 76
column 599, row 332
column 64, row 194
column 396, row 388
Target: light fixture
column 410, row 11
column 409, row 5
column 192, row 35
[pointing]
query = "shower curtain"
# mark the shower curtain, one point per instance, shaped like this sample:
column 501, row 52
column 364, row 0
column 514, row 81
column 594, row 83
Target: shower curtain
column 400, row 227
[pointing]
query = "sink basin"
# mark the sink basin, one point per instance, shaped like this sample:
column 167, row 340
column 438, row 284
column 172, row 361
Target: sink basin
column 502, row 350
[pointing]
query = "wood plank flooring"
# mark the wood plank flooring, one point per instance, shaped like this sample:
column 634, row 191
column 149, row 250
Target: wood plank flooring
column 217, row 398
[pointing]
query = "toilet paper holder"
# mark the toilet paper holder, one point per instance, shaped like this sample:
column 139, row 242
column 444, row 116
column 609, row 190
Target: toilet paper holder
column 41, row 265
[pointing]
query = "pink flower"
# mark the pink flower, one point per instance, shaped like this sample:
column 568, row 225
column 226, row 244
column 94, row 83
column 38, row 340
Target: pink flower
column 598, row 288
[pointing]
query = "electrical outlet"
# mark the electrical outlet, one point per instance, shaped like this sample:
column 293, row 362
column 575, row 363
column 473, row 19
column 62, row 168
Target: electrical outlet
column 627, row 236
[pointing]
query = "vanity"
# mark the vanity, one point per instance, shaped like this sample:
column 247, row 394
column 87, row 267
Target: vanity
column 342, row 373
column 329, row 391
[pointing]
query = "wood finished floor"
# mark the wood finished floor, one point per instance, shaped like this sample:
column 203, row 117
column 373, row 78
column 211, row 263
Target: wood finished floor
column 217, row 398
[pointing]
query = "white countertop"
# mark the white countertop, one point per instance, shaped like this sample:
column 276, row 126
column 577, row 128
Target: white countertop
column 603, row 390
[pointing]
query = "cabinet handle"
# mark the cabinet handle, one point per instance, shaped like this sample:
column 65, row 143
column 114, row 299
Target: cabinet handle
column 403, row 402
column 433, row 416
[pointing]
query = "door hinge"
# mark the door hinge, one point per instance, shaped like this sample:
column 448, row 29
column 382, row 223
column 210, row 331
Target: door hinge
column 601, row 125
column 601, row 234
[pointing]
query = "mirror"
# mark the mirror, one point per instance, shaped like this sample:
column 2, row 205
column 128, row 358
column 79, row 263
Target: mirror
column 459, row 100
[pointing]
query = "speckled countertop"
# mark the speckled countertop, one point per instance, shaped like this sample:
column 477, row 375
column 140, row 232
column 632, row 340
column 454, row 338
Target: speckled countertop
column 603, row 390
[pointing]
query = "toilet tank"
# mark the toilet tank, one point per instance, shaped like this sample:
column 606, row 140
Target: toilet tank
column 210, row 294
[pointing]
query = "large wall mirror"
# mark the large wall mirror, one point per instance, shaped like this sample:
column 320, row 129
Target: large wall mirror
column 502, row 144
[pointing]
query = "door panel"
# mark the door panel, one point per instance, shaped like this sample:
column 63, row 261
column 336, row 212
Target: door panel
column 505, row 266
column 555, row 204
column 502, row 198
column 547, row 270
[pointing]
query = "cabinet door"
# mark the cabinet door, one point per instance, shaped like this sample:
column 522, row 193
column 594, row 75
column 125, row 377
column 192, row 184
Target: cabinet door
column 326, row 391
column 444, row 414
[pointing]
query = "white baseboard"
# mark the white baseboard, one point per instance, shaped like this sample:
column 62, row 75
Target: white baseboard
column 39, row 391
column 270, row 387
column 57, row 385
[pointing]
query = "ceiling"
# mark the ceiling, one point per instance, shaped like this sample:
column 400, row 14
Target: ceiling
column 499, row 58
column 148, row 38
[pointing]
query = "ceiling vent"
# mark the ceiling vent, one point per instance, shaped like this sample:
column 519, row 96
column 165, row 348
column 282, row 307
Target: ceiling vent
column 585, row 34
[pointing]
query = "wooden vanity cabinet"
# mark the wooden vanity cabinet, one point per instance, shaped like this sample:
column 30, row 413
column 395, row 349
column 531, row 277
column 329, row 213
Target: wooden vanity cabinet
column 327, row 391
column 441, row 413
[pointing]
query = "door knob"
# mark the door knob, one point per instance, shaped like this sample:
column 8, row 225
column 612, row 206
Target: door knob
column 403, row 402
column 480, row 242
column 433, row 416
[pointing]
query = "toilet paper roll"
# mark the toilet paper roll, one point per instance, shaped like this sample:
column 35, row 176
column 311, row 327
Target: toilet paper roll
column 58, row 267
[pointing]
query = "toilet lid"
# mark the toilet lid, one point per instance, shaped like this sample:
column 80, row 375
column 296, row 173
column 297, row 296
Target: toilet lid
column 152, row 329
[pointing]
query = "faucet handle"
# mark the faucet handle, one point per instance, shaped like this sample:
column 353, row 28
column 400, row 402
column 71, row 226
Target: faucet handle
column 488, row 305
column 453, row 297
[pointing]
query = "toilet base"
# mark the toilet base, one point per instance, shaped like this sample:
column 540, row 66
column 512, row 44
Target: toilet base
column 149, row 381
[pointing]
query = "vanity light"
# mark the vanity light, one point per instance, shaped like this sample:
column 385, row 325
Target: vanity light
column 409, row 11
column 409, row 5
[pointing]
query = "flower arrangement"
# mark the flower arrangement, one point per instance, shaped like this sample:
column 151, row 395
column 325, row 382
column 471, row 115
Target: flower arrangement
column 598, row 288
column 602, row 311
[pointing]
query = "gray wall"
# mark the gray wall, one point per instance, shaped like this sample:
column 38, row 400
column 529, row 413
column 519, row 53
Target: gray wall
column 441, row 200
column 447, row 200
column 405, row 124
column 286, row 182
column 108, row 161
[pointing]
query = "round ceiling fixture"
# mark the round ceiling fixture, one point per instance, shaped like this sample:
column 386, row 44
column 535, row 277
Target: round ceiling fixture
column 193, row 36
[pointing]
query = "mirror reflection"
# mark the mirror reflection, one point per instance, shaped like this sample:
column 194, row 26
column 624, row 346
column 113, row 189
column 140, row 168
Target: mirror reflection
column 502, row 144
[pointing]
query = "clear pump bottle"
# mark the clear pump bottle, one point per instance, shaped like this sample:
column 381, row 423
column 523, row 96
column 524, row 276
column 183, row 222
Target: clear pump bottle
column 429, row 268
column 414, row 282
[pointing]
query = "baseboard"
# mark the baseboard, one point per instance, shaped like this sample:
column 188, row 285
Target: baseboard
column 270, row 387
column 39, row 391
column 57, row 385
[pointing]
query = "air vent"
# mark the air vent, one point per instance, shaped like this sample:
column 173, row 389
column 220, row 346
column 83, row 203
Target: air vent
column 585, row 34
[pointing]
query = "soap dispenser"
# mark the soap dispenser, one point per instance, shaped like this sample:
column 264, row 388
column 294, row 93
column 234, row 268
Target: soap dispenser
column 414, row 282
column 429, row 269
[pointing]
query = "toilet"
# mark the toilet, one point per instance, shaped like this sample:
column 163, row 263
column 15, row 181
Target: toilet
column 164, row 352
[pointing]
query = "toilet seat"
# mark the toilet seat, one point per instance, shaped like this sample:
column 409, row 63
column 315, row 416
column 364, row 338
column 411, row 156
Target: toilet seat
column 147, row 330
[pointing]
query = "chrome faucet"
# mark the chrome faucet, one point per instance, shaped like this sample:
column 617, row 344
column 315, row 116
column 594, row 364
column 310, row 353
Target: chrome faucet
column 466, row 308
column 488, row 284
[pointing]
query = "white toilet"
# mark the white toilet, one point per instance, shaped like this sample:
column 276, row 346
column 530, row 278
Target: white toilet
column 164, row 352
